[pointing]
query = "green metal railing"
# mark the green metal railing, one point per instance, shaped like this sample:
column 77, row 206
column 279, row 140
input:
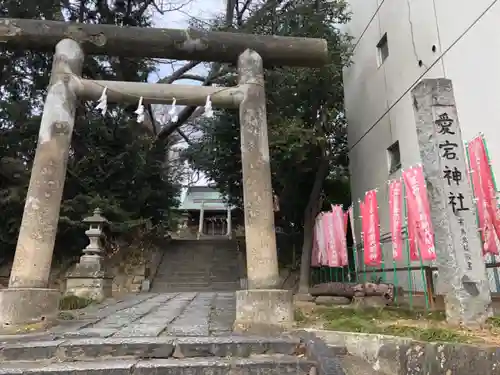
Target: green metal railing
column 401, row 273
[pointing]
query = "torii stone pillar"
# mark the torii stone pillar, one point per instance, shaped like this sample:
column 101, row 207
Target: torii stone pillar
column 29, row 276
column 262, row 308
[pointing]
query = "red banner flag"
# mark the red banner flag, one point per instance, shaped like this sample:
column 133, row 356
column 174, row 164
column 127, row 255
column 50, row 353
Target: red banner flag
column 364, row 232
column 396, row 215
column 371, row 238
column 412, row 239
column 340, row 236
column 484, row 191
column 419, row 212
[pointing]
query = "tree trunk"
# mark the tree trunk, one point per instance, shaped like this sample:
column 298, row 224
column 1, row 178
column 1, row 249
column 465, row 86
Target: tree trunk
column 312, row 210
column 111, row 40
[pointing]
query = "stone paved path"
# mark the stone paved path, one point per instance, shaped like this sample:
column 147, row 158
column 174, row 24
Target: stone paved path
column 151, row 315
column 160, row 333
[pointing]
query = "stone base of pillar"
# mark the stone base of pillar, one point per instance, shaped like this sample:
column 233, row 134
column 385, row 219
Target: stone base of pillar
column 89, row 280
column 303, row 297
column 264, row 311
column 27, row 310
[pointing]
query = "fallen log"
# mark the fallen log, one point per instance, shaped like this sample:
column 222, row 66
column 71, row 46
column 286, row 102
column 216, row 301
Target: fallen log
column 351, row 290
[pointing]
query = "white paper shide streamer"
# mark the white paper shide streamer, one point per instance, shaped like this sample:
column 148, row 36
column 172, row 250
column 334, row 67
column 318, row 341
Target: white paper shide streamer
column 173, row 112
column 140, row 111
column 208, row 108
column 102, row 103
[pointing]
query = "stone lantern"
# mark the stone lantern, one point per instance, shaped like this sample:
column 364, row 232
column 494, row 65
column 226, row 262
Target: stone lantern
column 94, row 251
column 89, row 278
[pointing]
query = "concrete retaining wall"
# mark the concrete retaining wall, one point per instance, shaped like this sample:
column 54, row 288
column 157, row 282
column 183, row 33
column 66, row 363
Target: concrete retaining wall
column 403, row 356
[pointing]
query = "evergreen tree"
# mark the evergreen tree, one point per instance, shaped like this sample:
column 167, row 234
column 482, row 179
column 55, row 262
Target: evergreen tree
column 113, row 163
column 306, row 124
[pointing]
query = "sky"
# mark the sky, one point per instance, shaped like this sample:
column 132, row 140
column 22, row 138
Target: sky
column 201, row 9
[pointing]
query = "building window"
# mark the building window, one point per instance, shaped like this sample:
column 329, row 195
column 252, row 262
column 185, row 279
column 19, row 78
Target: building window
column 394, row 157
column 382, row 49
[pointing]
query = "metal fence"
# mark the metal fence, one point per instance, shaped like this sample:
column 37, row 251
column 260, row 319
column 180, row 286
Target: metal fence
column 416, row 280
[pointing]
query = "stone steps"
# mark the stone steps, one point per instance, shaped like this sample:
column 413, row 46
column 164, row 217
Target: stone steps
column 190, row 287
column 146, row 347
column 193, row 282
column 204, row 265
column 268, row 364
column 156, row 355
column 208, row 276
column 193, row 278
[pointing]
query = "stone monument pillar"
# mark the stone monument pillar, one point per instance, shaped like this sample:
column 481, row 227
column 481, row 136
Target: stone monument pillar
column 262, row 309
column 462, row 272
column 89, row 278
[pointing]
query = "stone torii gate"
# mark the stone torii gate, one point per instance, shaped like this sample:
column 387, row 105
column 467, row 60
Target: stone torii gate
column 261, row 308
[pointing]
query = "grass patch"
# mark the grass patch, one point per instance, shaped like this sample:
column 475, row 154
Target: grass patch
column 494, row 321
column 71, row 302
column 359, row 325
column 299, row 316
column 392, row 321
column 65, row 315
column 374, row 313
column 428, row 334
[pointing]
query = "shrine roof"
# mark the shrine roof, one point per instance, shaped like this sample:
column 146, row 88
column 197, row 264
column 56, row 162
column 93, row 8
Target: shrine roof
column 209, row 197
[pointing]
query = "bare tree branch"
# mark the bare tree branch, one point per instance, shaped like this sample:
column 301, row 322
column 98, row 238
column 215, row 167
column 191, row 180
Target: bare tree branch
column 184, row 136
column 193, row 77
column 187, row 112
column 172, row 78
column 178, row 73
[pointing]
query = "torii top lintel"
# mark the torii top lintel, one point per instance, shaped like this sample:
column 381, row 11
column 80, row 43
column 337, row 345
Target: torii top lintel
column 195, row 45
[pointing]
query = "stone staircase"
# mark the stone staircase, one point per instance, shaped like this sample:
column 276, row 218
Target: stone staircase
column 156, row 355
column 198, row 265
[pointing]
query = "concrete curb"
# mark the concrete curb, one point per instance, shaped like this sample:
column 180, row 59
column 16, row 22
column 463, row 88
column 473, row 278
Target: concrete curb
column 405, row 356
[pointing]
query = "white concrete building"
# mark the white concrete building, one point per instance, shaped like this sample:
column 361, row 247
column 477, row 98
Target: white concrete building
column 397, row 43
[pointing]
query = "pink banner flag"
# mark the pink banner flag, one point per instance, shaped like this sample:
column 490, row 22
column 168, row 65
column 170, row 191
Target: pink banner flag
column 396, row 215
column 372, row 250
column 321, row 256
column 340, row 237
column 484, row 191
column 419, row 212
column 330, row 239
column 350, row 212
